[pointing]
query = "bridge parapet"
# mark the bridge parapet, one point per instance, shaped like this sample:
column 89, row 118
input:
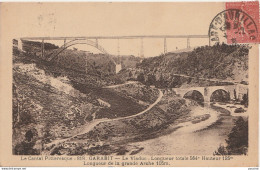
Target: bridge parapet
column 235, row 91
column 183, row 91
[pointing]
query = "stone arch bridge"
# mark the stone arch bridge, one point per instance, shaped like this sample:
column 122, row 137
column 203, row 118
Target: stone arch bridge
column 235, row 91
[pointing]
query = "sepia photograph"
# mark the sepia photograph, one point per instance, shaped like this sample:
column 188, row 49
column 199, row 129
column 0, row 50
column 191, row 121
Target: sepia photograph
column 154, row 83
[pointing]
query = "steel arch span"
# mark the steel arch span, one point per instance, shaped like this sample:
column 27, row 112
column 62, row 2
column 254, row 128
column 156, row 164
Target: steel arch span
column 75, row 42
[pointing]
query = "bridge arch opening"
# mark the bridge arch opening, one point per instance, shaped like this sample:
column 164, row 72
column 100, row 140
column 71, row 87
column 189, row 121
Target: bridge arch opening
column 83, row 43
column 195, row 96
column 220, row 95
column 88, row 49
column 73, row 43
column 115, row 67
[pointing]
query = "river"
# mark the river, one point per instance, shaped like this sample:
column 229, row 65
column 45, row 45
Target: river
column 202, row 138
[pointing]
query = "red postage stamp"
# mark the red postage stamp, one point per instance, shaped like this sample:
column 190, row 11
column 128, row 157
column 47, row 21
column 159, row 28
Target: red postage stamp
column 238, row 23
column 242, row 22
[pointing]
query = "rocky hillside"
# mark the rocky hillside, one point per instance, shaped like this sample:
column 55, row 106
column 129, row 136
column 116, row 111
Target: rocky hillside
column 45, row 106
column 112, row 137
column 224, row 62
column 34, row 47
column 93, row 64
column 127, row 61
column 51, row 103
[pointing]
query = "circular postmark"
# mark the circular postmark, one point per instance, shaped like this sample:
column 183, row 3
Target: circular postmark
column 232, row 26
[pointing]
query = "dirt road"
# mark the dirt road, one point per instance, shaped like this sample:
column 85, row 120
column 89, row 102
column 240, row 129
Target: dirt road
column 85, row 129
column 118, row 85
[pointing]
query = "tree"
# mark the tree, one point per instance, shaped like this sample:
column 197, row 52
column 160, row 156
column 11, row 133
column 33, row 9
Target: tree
column 160, row 82
column 140, row 78
column 245, row 100
column 130, row 74
column 151, row 80
column 238, row 138
column 221, row 150
column 235, row 94
column 237, row 142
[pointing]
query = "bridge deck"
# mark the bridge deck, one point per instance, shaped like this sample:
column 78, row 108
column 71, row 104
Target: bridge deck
column 115, row 37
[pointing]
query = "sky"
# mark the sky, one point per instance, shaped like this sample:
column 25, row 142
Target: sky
column 115, row 19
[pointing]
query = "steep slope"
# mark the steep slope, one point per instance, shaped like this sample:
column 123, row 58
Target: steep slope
column 94, row 64
column 224, row 62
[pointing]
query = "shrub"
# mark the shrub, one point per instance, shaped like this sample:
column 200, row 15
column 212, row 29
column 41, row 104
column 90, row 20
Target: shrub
column 239, row 110
column 237, row 142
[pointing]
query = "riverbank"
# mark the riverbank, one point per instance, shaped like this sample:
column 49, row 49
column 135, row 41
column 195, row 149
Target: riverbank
column 202, row 138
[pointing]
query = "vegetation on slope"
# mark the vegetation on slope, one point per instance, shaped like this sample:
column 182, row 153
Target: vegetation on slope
column 237, row 142
column 51, row 102
column 112, row 137
column 45, row 107
column 35, row 47
column 225, row 62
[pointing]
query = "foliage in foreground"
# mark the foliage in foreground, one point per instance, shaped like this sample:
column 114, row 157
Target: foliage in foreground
column 237, row 142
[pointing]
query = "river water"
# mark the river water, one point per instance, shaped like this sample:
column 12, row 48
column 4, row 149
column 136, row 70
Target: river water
column 202, row 138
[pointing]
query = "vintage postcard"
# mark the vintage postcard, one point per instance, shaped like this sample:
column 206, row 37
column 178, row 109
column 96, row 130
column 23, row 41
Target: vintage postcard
column 129, row 84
